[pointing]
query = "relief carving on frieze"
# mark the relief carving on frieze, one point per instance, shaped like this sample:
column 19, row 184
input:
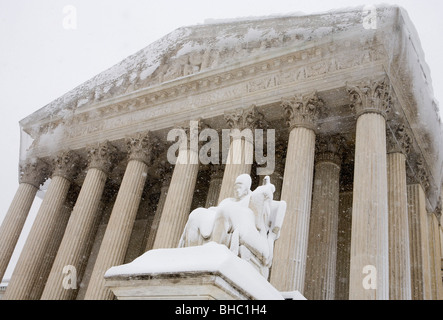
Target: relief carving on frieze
column 282, row 70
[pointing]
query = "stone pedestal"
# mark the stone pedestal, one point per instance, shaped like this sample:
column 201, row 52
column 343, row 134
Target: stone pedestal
column 210, row 272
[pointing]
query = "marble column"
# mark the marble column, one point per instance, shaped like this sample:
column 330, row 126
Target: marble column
column 322, row 247
column 434, row 257
column 33, row 174
column 180, row 193
column 214, row 186
column 343, row 246
column 289, row 262
column 24, row 276
column 435, row 225
column 369, row 275
column 118, row 231
column 398, row 143
column 419, row 246
column 158, row 212
column 241, row 149
column 83, row 222
column 54, row 244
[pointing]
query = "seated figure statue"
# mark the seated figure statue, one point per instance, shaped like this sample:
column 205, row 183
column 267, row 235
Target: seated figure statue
column 248, row 224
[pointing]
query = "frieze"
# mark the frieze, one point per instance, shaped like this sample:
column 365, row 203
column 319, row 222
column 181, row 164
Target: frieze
column 194, row 101
column 272, row 79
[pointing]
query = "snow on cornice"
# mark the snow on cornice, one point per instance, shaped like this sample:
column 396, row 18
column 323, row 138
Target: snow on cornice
column 136, row 71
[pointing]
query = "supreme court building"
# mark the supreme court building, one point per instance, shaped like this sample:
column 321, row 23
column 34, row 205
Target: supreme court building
column 358, row 157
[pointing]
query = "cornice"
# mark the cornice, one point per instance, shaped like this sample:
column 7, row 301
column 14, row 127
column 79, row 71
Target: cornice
column 308, row 61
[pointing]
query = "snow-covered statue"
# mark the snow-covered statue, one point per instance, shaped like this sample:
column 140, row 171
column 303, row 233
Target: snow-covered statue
column 248, row 224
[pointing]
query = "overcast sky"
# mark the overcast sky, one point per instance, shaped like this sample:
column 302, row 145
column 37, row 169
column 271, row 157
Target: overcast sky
column 40, row 59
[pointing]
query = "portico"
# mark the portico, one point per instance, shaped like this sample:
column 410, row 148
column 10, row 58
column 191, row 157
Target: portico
column 353, row 119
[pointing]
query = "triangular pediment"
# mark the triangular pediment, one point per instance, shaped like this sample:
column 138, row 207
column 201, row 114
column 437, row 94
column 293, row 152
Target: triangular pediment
column 215, row 44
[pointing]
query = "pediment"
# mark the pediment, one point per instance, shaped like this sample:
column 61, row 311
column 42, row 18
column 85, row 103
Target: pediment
column 196, row 49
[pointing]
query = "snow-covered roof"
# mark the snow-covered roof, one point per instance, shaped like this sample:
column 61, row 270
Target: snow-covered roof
column 196, row 46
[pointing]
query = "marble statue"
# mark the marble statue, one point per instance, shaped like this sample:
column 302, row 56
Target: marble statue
column 248, row 223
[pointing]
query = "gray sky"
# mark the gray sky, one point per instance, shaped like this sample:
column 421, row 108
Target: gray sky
column 40, row 60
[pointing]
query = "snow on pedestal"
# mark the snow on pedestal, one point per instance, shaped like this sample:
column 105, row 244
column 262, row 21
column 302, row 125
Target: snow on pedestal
column 210, row 271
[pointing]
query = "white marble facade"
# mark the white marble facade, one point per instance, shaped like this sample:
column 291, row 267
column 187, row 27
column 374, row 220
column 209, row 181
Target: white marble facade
column 358, row 157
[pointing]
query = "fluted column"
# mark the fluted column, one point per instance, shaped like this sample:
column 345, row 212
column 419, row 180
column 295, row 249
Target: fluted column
column 435, row 218
column 31, row 258
column 214, row 186
column 343, row 246
column 241, row 149
column 33, row 174
column 289, row 262
column 369, row 275
column 158, row 212
column 118, row 231
column 399, row 258
column 419, row 246
column 322, row 247
column 434, row 257
column 179, row 198
column 74, row 247
column 54, row 244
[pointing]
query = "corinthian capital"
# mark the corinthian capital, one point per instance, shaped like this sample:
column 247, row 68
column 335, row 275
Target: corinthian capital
column 422, row 174
column 66, row 164
column 102, row 156
column 141, row 147
column 34, row 172
column 248, row 118
column 398, row 140
column 329, row 149
column 371, row 96
column 302, row 110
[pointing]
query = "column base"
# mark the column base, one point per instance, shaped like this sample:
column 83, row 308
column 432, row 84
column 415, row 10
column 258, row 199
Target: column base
column 208, row 272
